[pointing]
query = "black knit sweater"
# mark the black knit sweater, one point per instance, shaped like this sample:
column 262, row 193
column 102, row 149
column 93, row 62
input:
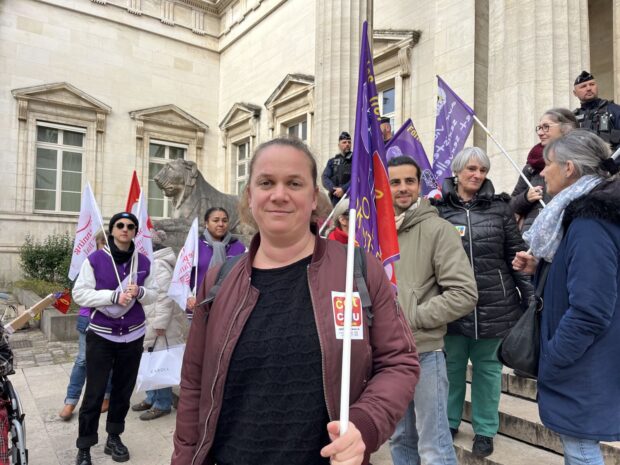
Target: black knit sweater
column 274, row 409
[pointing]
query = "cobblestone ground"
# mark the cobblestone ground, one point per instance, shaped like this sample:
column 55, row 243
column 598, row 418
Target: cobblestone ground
column 32, row 349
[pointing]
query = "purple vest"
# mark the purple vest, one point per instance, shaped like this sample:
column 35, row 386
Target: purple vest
column 205, row 252
column 105, row 278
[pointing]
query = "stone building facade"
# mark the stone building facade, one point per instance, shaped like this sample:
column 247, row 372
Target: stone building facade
column 91, row 90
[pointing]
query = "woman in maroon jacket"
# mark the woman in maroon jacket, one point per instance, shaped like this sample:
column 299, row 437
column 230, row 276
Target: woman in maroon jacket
column 261, row 374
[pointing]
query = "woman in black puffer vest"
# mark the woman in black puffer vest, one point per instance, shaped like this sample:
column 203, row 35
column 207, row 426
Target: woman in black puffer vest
column 491, row 240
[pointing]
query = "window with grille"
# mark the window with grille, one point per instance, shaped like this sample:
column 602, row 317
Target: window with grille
column 59, row 167
column 242, row 151
column 160, row 153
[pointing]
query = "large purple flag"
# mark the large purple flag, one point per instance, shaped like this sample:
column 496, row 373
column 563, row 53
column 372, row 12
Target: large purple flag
column 407, row 142
column 452, row 127
column 375, row 229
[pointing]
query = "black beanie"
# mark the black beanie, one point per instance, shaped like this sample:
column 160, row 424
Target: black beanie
column 130, row 216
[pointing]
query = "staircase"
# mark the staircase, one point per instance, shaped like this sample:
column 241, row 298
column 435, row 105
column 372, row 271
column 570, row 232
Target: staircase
column 522, row 438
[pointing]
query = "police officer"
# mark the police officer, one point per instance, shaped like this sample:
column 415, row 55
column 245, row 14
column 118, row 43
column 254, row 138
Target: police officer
column 598, row 115
column 386, row 128
column 337, row 174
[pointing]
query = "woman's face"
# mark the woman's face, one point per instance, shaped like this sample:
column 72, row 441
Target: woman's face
column 282, row 193
column 548, row 130
column 343, row 222
column 557, row 176
column 217, row 224
column 123, row 232
column 470, row 178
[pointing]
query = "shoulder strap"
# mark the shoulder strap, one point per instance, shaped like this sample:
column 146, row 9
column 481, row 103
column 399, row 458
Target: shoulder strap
column 359, row 275
column 221, row 275
column 542, row 279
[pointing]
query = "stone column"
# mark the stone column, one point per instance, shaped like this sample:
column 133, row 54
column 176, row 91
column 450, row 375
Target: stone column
column 338, row 29
column 616, row 33
column 535, row 51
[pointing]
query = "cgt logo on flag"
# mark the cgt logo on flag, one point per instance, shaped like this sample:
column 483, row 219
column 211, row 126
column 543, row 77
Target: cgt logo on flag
column 357, row 322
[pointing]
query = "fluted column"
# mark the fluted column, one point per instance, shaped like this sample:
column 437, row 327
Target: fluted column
column 535, row 51
column 338, row 29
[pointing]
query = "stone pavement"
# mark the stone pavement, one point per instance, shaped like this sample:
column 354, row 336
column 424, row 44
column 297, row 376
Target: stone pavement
column 42, row 373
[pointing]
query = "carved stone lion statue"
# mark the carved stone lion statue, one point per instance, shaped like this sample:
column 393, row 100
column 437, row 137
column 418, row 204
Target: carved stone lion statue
column 191, row 194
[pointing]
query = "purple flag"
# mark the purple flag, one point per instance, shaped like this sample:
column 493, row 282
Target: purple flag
column 375, row 229
column 452, row 127
column 407, row 142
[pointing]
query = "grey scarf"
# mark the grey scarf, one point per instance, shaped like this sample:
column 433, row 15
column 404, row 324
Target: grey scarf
column 546, row 233
column 219, row 248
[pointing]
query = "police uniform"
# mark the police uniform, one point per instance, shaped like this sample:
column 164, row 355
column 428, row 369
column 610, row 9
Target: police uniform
column 599, row 116
column 337, row 173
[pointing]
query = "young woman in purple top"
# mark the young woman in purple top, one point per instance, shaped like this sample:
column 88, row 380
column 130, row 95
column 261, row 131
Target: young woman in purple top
column 78, row 373
column 115, row 333
column 214, row 247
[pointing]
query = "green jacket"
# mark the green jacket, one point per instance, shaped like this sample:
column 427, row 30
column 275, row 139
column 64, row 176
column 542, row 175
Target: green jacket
column 436, row 284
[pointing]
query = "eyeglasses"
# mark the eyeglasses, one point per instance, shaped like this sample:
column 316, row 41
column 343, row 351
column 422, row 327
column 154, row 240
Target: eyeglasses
column 129, row 226
column 545, row 127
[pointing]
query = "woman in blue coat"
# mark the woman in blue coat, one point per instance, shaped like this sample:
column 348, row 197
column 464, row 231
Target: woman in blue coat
column 578, row 234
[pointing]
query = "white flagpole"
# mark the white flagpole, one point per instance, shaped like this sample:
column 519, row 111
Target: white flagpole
column 196, row 257
column 345, row 385
column 503, row 150
column 324, row 225
column 118, row 278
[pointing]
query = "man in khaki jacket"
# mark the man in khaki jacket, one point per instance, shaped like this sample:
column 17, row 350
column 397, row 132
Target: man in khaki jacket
column 436, row 285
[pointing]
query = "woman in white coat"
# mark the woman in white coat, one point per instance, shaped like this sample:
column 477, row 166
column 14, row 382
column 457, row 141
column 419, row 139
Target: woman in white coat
column 166, row 323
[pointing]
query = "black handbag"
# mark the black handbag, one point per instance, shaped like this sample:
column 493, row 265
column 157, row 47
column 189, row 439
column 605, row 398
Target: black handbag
column 520, row 348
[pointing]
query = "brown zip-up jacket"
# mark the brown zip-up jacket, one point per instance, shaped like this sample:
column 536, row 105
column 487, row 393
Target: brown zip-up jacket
column 384, row 365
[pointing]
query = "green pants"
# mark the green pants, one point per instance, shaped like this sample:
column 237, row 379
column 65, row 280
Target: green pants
column 486, row 383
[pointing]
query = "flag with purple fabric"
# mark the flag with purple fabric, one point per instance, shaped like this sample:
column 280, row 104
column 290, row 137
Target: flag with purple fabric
column 406, row 142
column 452, row 127
column 375, row 229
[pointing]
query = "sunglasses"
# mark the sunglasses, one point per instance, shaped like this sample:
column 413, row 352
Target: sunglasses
column 129, row 226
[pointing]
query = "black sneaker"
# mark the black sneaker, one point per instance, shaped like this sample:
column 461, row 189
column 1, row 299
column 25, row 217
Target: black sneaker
column 116, row 448
column 454, row 432
column 83, row 457
column 483, row 446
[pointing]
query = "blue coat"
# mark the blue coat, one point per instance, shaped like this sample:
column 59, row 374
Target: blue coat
column 579, row 372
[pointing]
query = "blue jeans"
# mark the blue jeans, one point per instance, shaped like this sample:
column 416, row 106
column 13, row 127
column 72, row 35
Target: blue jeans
column 579, row 451
column 423, row 435
column 78, row 373
column 161, row 399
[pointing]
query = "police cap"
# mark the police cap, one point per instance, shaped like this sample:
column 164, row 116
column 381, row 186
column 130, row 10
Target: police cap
column 344, row 135
column 583, row 77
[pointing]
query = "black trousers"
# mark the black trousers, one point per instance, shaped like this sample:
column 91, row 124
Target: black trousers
column 103, row 356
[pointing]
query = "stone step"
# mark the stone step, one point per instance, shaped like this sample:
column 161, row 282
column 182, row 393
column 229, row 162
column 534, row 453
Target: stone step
column 513, row 384
column 519, row 419
column 507, row 451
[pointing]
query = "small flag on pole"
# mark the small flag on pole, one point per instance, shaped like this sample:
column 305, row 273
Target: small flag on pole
column 63, row 301
column 406, row 142
column 452, row 127
column 89, row 222
column 180, row 286
column 136, row 204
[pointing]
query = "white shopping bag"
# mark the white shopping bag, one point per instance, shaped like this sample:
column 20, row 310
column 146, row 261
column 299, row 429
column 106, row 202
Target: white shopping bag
column 160, row 368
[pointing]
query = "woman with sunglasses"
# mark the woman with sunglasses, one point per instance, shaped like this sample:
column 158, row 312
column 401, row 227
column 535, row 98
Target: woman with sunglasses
column 115, row 333
column 525, row 200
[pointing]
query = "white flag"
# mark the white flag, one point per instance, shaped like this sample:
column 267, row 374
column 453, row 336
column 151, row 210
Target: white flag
column 180, row 286
column 89, row 223
column 143, row 239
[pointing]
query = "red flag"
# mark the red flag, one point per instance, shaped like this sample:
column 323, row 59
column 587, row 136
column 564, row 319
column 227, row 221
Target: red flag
column 134, row 197
column 63, row 301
